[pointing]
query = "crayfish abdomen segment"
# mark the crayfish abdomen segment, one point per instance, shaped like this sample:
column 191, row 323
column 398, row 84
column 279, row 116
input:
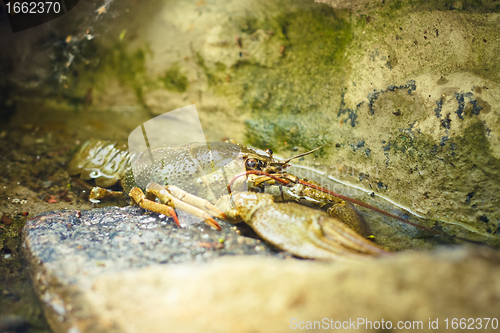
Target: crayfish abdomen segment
column 101, row 161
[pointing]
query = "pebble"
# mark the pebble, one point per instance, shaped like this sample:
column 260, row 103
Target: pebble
column 6, row 219
column 47, row 183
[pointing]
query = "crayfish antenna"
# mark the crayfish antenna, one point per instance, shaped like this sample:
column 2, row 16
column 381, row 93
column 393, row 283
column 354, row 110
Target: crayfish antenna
column 300, row 155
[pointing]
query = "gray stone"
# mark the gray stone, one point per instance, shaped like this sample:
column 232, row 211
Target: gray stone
column 121, row 270
column 68, row 250
column 113, row 239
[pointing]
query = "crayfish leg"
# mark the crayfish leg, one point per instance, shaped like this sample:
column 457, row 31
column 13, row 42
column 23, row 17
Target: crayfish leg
column 195, row 201
column 101, row 193
column 166, row 197
column 140, row 198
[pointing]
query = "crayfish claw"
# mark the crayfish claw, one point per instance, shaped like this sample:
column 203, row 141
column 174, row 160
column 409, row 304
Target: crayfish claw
column 337, row 232
column 303, row 231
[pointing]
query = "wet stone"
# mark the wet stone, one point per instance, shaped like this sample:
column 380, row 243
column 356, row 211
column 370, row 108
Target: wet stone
column 126, row 270
column 87, row 243
column 68, row 250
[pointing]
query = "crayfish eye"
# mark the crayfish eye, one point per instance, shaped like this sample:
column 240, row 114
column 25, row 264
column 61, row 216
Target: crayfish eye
column 270, row 152
column 251, row 164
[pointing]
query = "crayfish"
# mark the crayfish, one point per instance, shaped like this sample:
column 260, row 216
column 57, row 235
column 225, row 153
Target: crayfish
column 236, row 183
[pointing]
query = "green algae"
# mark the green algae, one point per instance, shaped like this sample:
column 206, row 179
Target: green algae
column 129, row 67
column 468, row 157
column 392, row 8
column 304, row 54
column 215, row 75
column 174, row 80
column 95, row 67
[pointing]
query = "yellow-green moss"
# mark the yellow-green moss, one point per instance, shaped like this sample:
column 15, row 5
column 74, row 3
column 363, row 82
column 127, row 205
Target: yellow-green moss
column 289, row 100
column 91, row 71
column 174, row 80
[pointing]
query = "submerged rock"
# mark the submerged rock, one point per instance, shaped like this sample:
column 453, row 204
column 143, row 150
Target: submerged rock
column 123, row 270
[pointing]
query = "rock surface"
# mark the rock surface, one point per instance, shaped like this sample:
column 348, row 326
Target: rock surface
column 120, row 270
column 405, row 97
column 67, row 250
